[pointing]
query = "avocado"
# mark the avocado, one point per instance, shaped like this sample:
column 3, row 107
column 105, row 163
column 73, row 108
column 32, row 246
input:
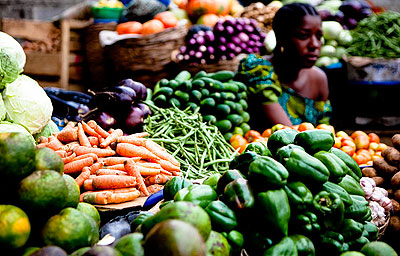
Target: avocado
column 217, row 244
column 101, row 250
column 50, row 250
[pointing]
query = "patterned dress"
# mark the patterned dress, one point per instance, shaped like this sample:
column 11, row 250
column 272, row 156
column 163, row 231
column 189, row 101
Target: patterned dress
column 264, row 88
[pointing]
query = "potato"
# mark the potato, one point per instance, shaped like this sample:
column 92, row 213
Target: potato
column 369, row 172
column 383, row 168
column 396, row 207
column 395, row 181
column 396, row 141
column 390, row 193
column 378, row 180
column 391, row 155
column 394, row 224
column 396, row 195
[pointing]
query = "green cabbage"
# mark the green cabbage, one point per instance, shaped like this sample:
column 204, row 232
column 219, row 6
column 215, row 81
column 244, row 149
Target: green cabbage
column 11, row 127
column 27, row 104
column 2, row 109
column 12, row 59
column 331, row 29
column 48, row 130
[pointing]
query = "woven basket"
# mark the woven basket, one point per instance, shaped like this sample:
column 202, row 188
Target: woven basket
column 382, row 229
column 146, row 58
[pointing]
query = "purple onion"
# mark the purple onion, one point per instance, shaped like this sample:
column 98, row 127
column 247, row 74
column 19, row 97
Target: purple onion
column 230, row 22
column 259, row 44
column 179, row 57
column 229, row 30
column 223, row 57
column 249, row 50
column 256, row 49
column 203, row 61
column 240, row 21
column 212, row 57
column 246, row 21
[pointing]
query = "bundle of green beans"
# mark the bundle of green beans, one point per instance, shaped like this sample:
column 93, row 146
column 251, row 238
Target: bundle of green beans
column 199, row 147
column 377, row 36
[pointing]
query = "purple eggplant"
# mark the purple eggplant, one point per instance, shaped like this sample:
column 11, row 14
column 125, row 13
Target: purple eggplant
column 222, row 48
column 255, row 37
column 248, row 29
column 236, row 40
column 202, row 48
column 230, row 30
column 192, row 41
column 139, row 88
column 231, row 46
column 339, row 16
column 222, row 40
column 219, row 28
column 243, row 37
column 325, row 14
column 239, row 28
column 349, row 8
column 200, row 40
column 210, row 49
column 145, row 108
column 134, row 118
column 183, row 49
column 209, row 36
column 126, row 90
column 192, row 52
column 104, row 119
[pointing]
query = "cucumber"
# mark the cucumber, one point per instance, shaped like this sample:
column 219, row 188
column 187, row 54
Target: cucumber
column 231, row 87
column 182, row 96
column 228, row 95
column 167, row 91
column 208, row 103
column 200, row 74
column 164, row 82
column 223, row 125
column 238, row 107
column 238, row 130
column 184, row 75
column 235, row 119
column 246, row 116
column 196, row 95
column 242, row 86
column 242, row 95
column 223, row 109
column 198, row 83
column 185, row 86
column 245, row 127
column 223, row 75
column 216, row 96
column 214, row 84
column 230, row 103
column 192, row 105
column 175, row 102
column 228, row 136
column 244, row 104
column 160, row 100
column 173, row 84
column 210, row 119
column 205, row 92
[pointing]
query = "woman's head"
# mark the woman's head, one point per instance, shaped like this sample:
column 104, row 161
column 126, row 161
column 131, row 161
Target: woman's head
column 297, row 28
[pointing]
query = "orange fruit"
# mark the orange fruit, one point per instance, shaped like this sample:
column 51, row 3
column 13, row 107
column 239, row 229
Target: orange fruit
column 305, row 126
column 338, row 142
column 15, row 227
column 342, row 134
column 167, row 18
column 349, row 150
column 208, row 19
column 348, row 142
column 326, row 127
column 373, row 137
column 358, row 133
column 361, row 141
column 130, row 27
column 267, row 133
column 152, row 26
column 374, row 146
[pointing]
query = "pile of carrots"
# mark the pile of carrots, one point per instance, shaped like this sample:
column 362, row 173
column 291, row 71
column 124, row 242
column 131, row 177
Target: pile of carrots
column 109, row 166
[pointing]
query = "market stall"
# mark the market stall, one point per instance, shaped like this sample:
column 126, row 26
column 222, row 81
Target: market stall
column 162, row 159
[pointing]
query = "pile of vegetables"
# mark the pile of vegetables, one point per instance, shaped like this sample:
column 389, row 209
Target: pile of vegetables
column 24, row 105
column 377, row 36
column 263, row 14
column 119, row 106
column 303, row 196
column 222, row 100
column 199, row 147
column 228, row 39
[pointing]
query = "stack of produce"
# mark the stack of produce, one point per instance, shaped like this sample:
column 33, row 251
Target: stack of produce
column 303, row 194
column 111, row 167
column 24, row 105
column 221, row 99
column 263, row 14
column 42, row 204
column 199, row 147
column 205, row 9
column 385, row 173
column 228, row 39
column 119, row 106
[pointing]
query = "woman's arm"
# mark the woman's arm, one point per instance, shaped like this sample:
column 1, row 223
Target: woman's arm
column 275, row 114
column 321, row 81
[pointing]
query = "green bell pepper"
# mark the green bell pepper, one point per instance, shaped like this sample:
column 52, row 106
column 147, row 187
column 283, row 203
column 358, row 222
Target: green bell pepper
column 337, row 169
column 304, row 245
column 135, row 223
column 165, row 203
column 285, row 247
column 222, row 217
column 299, row 195
column 358, row 210
column 201, row 195
column 357, row 244
column 275, row 206
column 259, row 148
column 352, row 186
column 266, row 172
column 242, row 161
column 331, row 243
column 284, row 152
column 330, row 207
column 212, row 180
column 281, row 138
column 335, row 188
column 174, row 185
column 371, row 231
column 349, row 161
column 315, row 140
column 308, row 168
column 257, row 242
column 228, row 176
column 238, row 195
column 306, row 223
column 236, row 240
column 351, row 229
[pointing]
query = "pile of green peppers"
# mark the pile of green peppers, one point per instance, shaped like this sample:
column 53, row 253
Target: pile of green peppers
column 295, row 195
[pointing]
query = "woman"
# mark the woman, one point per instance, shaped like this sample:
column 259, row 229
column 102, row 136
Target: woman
column 286, row 87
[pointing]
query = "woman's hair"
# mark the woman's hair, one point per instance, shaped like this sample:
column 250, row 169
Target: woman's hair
column 290, row 16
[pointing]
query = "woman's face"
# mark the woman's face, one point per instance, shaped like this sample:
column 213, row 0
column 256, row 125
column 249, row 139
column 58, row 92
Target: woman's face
column 305, row 42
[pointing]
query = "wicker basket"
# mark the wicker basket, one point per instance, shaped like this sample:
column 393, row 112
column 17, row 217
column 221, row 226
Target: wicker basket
column 146, row 59
column 382, row 229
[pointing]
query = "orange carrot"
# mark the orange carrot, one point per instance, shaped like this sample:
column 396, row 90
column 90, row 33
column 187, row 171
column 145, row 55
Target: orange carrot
column 144, row 171
column 130, row 150
column 69, row 158
column 61, row 153
column 92, row 124
column 42, row 145
column 110, row 172
column 88, row 184
column 70, row 146
column 140, row 134
column 92, row 155
column 176, row 173
column 117, row 160
column 166, row 172
column 70, row 124
column 54, row 143
column 157, row 179
column 112, row 138
column 149, row 165
column 113, row 181
column 120, row 167
column 154, row 188
column 132, row 140
column 161, row 152
column 110, row 197
column 43, row 139
column 132, row 170
column 94, row 141
column 89, row 130
column 167, row 165
column 83, row 139
column 77, row 166
column 84, row 175
column 100, row 152
column 68, row 135
column 96, row 166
